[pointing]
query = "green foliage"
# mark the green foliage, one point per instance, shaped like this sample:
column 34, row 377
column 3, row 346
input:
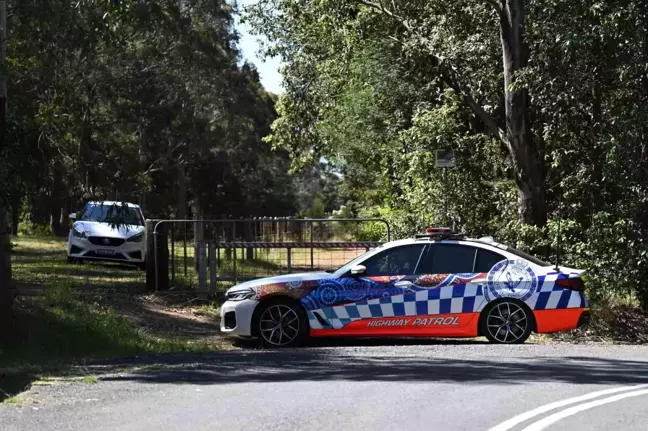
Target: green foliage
column 138, row 101
column 370, row 92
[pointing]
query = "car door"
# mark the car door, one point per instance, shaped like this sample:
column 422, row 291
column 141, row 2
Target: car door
column 337, row 302
column 454, row 275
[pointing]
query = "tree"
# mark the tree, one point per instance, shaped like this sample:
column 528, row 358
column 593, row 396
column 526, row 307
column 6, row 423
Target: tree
column 414, row 27
column 6, row 293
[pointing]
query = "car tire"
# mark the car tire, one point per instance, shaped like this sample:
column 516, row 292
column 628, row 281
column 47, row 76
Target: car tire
column 281, row 323
column 70, row 259
column 507, row 321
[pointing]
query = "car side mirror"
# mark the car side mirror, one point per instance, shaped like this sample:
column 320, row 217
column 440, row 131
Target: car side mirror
column 358, row 270
column 73, row 216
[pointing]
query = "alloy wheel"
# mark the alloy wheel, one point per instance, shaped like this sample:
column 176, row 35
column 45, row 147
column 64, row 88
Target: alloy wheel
column 507, row 322
column 279, row 325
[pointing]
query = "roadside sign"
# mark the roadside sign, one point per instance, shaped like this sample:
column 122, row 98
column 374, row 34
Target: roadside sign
column 444, row 159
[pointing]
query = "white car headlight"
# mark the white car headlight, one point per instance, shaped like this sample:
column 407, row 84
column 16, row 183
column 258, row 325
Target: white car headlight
column 136, row 238
column 240, row 295
column 79, row 234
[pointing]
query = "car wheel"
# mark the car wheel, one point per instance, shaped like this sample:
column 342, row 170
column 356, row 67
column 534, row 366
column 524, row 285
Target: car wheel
column 282, row 323
column 507, row 322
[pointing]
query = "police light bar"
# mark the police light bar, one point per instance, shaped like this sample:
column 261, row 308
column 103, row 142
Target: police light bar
column 438, row 230
column 440, row 233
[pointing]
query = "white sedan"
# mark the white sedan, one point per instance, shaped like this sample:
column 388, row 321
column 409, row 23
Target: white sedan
column 108, row 231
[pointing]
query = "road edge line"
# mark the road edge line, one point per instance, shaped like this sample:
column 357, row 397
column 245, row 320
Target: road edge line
column 516, row 420
column 552, row 419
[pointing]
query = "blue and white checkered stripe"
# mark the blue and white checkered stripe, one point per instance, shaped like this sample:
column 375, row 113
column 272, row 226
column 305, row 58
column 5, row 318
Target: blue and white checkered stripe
column 550, row 296
column 446, row 300
column 467, row 298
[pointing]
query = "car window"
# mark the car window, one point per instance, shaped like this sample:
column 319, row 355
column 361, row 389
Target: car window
column 448, row 259
column 486, row 259
column 395, row 261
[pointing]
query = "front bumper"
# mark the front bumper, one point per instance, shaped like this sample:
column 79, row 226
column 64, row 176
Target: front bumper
column 129, row 252
column 236, row 317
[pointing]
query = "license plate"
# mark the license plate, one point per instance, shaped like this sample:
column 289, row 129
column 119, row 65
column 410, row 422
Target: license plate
column 104, row 252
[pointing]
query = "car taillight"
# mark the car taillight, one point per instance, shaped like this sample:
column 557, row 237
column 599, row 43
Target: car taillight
column 571, row 283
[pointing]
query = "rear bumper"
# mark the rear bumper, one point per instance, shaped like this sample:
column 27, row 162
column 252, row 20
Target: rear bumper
column 564, row 319
column 585, row 318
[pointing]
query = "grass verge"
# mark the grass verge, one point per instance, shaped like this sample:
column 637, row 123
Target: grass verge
column 69, row 315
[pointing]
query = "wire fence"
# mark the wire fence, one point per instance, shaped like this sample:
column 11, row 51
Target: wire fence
column 212, row 255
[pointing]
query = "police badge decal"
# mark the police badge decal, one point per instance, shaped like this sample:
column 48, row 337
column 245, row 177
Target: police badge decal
column 511, row 279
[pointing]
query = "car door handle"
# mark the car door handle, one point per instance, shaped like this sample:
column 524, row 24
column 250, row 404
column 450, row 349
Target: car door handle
column 403, row 283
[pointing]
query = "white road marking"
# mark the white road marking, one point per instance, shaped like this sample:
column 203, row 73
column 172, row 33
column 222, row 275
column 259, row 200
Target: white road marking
column 550, row 420
column 507, row 425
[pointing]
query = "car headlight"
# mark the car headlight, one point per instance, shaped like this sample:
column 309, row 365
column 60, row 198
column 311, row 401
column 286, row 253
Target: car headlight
column 136, row 238
column 79, row 234
column 240, row 295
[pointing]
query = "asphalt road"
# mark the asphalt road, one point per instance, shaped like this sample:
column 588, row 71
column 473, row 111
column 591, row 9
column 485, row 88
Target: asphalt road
column 416, row 386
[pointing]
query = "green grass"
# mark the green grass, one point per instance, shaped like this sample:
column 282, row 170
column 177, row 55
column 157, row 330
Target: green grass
column 72, row 319
column 89, row 380
column 38, row 261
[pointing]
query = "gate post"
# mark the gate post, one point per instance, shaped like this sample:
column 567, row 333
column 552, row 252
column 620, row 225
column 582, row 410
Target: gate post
column 157, row 257
column 212, row 266
column 202, row 266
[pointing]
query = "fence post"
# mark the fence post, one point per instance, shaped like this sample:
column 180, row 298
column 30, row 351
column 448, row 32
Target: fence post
column 157, row 257
column 234, row 267
column 202, row 267
column 173, row 256
column 212, row 266
column 311, row 249
column 199, row 236
column 289, row 258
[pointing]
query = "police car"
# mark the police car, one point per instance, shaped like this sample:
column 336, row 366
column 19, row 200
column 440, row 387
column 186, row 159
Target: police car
column 437, row 284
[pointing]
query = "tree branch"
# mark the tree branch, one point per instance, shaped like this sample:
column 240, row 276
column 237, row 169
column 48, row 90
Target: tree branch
column 446, row 74
column 381, row 8
column 495, row 4
column 465, row 92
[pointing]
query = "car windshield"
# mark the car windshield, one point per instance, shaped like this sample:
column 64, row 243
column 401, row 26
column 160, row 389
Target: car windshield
column 527, row 256
column 114, row 214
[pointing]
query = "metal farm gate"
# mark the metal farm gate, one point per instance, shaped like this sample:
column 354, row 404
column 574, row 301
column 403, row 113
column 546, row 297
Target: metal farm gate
column 212, row 255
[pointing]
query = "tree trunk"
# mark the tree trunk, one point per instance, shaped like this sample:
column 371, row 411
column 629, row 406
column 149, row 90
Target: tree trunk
column 6, row 285
column 55, row 203
column 527, row 165
column 181, row 193
column 15, row 202
column 7, row 321
column 15, row 220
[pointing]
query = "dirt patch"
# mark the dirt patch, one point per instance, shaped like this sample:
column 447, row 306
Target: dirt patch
column 185, row 317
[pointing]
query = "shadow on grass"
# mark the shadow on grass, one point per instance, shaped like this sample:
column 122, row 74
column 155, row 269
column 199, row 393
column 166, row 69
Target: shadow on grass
column 72, row 333
column 35, row 255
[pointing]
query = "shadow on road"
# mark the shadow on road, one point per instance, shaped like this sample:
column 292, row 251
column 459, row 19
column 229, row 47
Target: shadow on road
column 322, row 364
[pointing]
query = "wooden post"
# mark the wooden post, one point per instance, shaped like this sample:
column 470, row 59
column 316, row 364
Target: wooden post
column 157, row 257
column 212, row 266
column 202, row 266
